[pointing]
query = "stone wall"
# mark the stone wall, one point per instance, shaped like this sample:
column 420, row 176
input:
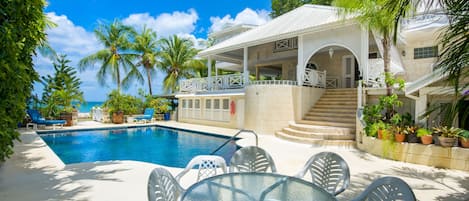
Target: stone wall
column 431, row 155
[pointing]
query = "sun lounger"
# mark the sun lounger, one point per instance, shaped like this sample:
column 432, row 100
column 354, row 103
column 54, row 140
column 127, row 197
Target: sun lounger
column 37, row 119
column 147, row 115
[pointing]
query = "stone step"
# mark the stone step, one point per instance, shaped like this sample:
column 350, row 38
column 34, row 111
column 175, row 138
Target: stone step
column 336, row 92
column 329, row 113
column 338, row 99
column 339, row 95
column 347, row 144
column 353, row 106
column 323, row 136
column 321, row 129
column 326, row 123
column 334, row 110
column 328, row 102
column 330, row 119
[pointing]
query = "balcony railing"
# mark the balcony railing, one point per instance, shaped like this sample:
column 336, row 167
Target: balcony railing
column 314, row 78
column 234, row 81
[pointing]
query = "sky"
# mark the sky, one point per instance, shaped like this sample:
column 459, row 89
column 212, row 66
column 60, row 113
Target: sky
column 193, row 19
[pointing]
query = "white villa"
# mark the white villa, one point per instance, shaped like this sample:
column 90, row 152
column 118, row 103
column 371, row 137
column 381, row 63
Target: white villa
column 298, row 76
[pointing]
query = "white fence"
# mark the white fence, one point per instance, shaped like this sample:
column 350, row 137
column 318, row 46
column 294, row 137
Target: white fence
column 314, row 78
column 234, row 81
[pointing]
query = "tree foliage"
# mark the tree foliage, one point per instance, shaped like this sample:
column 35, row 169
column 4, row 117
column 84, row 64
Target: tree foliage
column 177, row 61
column 280, row 7
column 22, row 25
column 116, row 55
column 61, row 89
column 146, row 45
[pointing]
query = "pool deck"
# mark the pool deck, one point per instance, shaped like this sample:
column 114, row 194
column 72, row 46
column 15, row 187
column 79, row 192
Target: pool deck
column 34, row 172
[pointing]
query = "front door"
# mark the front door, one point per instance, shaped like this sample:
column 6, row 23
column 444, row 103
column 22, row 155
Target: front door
column 348, row 63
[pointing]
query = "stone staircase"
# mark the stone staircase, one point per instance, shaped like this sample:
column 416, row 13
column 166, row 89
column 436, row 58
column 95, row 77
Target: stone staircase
column 330, row 122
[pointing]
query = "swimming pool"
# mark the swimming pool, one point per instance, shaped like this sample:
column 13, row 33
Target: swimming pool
column 159, row 145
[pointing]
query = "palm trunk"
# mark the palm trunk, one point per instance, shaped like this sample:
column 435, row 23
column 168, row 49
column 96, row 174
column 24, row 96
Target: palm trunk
column 118, row 77
column 149, row 80
column 387, row 61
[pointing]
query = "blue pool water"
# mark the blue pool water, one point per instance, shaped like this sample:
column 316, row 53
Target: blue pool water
column 164, row 146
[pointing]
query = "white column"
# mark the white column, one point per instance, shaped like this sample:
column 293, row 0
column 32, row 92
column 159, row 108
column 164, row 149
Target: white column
column 245, row 66
column 300, row 67
column 420, row 108
column 364, row 54
column 209, row 73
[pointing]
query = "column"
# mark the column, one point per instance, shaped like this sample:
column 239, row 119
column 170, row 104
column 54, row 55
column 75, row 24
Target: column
column 420, row 108
column 245, row 66
column 364, row 54
column 209, row 73
column 300, row 64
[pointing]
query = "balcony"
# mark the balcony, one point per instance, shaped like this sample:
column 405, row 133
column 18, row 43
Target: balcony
column 311, row 78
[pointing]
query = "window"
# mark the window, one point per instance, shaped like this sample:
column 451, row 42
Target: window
column 184, row 103
column 216, row 104
column 226, row 104
column 425, row 52
column 208, row 103
column 197, row 104
column 190, row 103
column 373, row 55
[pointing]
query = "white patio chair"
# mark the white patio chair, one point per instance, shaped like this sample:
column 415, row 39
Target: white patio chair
column 329, row 171
column 207, row 164
column 252, row 159
column 163, row 186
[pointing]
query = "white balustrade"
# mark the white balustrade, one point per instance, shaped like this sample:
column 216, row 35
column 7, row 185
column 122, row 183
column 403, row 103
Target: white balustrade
column 314, row 78
column 233, row 81
column 273, row 82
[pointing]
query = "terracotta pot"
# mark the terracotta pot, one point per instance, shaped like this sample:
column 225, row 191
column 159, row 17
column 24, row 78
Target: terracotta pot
column 380, row 134
column 427, row 139
column 399, row 137
column 447, row 141
column 118, row 117
column 67, row 117
column 464, row 142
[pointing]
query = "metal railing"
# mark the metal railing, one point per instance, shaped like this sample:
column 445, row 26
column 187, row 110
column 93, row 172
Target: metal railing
column 234, row 136
column 273, row 82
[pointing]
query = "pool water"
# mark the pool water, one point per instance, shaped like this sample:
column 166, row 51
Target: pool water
column 164, row 146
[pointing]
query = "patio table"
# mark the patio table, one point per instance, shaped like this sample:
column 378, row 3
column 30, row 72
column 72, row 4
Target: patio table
column 255, row 186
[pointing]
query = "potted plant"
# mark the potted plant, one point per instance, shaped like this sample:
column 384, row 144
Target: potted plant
column 115, row 105
column 396, row 128
column 447, row 135
column 382, row 128
column 464, row 138
column 425, row 135
column 411, row 133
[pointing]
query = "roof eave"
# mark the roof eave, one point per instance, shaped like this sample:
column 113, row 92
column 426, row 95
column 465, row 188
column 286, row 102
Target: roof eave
column 309, row 30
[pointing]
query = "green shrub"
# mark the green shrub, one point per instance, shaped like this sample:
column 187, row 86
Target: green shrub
column 127, row 104
column 22, row 24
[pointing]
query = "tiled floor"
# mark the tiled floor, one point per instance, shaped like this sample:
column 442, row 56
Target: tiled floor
column 34, row 172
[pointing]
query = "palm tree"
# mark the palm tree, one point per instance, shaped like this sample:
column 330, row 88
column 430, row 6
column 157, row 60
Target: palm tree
column 146, row 44
column 371, row 14
column 177, row 60
column 115, row 38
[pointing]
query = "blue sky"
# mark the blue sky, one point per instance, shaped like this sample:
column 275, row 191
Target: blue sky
column 193, row 19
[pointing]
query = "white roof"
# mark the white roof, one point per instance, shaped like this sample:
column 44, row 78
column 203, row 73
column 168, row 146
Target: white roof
column 301, row 20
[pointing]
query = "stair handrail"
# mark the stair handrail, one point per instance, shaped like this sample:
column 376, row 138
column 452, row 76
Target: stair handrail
column 234, row 136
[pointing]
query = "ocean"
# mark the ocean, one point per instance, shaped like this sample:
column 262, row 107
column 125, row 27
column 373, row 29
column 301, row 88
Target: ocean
column 86, row 107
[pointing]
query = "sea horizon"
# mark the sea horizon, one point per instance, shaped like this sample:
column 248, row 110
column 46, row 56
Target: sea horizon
column 88, row 105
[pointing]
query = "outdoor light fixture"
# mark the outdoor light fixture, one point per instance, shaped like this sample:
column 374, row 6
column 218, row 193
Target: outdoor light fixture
column 331, row 52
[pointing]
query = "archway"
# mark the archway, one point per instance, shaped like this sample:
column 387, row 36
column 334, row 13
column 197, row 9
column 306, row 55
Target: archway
column 340, row 65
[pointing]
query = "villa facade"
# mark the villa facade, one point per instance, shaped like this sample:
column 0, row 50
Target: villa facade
column 307, row 72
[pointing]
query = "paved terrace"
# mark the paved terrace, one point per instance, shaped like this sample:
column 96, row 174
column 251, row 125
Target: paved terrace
column 34, row 172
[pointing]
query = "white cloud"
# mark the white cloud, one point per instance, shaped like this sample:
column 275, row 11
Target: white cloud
column 69, row 38
column 165, row 24
column 247, row 16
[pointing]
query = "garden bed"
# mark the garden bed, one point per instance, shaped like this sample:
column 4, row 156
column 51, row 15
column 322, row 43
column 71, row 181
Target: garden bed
column 431, row 155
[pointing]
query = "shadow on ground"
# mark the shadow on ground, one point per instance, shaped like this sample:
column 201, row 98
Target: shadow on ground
column 28, row 176
column 417, row 179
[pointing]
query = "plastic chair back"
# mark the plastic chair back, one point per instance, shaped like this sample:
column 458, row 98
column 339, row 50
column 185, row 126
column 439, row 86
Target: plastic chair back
column 252, row 159
column 329, row 171
column 207, row 164
column 163, row 186
column 387, row 189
